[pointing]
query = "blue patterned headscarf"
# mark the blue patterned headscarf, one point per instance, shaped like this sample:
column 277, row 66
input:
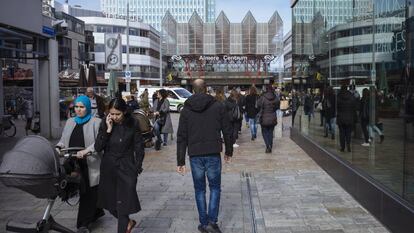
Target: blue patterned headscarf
column 87, row 103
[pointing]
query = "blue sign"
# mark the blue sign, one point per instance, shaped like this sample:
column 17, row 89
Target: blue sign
column 49, row 31
column 127, row 74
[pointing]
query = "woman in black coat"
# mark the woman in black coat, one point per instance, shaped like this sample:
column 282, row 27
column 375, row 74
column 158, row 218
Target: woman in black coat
column 231, row 103
column 120, row 139
column 268, row 104
column 251, row 111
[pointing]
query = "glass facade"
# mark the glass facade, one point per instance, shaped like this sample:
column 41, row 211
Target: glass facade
column 152, row 12
column 222, row 37
column 352, row 65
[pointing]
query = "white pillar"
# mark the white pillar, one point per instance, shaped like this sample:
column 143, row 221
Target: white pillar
column 49, row 94
column 1, row 90
column 36, row 92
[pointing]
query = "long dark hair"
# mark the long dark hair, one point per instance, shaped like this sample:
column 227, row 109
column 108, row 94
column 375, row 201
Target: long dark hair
column 163, row 93
column 119, row 104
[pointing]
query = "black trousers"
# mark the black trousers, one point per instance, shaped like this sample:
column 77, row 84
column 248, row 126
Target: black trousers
column 123, row 221
column 293, row 118
column 345, row 132
column 236, row 127
column 88, row 211
column 267, row 133
column 364, row 127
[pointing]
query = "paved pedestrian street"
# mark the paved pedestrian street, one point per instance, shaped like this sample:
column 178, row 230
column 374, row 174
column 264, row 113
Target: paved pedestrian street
column 282, row 192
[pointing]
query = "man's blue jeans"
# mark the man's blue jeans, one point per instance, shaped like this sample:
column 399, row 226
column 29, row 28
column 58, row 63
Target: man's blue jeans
column 253, row 126
column 210, row 166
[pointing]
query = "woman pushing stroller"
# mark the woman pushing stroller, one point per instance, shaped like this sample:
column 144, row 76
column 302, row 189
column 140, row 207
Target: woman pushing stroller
column 81, row 131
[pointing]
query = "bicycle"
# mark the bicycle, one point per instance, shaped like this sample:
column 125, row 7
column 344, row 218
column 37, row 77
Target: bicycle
column 7, row 126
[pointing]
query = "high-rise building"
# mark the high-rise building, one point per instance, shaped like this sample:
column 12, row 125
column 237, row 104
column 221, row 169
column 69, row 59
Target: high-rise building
column 152, row 12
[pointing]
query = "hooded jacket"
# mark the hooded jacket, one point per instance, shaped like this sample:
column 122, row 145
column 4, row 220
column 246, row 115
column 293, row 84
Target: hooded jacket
column 202, row 121
column 346, row 108
column 268, row 106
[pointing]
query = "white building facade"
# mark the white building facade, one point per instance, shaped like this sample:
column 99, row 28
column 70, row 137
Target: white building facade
column 152, row 11
column 144, row 45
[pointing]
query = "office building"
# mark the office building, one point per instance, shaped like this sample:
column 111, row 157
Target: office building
column 152, row 12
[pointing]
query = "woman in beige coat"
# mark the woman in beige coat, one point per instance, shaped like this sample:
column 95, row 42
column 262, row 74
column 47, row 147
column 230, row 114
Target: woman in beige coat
column 81, row 131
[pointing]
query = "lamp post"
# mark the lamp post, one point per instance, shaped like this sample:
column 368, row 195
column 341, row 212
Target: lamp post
column 128, row 82
column 161, row 37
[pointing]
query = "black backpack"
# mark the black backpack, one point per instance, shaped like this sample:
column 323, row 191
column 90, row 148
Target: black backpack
column 236, row 113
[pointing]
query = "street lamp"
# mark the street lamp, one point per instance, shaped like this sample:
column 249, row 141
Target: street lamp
column 128, row 82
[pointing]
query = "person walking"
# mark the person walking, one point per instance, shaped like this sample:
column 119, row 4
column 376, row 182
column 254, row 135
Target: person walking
column 308, row 106
column 144, row 102
column 235, row 115
column 97, row 103
column 163, row 124
column 365, row 116
column 346, row 111
column 251, row 111
column 120, row 139
column 202, row 121
column 268, row 104
column 81, row 131
column 132, row 104
column 329, row 112
column 295, row 103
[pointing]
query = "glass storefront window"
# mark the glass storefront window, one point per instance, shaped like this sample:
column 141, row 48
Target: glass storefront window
column 357, row 89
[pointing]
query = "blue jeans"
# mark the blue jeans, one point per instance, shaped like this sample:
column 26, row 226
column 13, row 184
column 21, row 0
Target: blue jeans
column 157, row 130
column 200, row 167
column 267, row 133
column 330, row 126
column 253, row 126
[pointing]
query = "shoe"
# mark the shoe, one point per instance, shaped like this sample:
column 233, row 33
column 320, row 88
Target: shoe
column 131, row 225
column 252, row 138
column 235, row 145
column 365, row 144
column 202, row 229
column 164, row 144
column 267, row 151
column 333, row 137
column 325, row 136
column 213, row 228
column 157, row 145
column 381, row 138
column 342, row 149
column 83, row 230
column 348, row 148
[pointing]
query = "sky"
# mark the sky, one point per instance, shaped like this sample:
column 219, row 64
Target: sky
column 235, row 10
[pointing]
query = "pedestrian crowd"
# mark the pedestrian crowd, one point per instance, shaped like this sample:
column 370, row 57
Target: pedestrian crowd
column 115, row 146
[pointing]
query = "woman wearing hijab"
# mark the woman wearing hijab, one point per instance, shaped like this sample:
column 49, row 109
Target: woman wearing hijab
column 120, row 139
column 81, row 131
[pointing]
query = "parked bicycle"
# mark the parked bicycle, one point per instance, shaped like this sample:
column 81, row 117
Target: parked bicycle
column 7, row 126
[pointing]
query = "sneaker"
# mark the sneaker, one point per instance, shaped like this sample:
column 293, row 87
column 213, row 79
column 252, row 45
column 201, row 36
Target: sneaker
column 213, row 228
column 202, row 229
column 235, row 145
column 164, row 144
column 365, row 144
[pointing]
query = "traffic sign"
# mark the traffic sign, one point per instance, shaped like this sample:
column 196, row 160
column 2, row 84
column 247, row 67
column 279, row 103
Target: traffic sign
column 127, row 74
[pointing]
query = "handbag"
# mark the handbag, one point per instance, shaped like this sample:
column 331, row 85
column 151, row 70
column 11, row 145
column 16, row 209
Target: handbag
column 284, row 104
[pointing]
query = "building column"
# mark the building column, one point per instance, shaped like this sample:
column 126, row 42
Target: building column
column 49, row 94
column 1, row 90
column 36, row 92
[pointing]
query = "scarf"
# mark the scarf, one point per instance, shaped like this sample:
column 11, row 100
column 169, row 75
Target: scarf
column 87, row 103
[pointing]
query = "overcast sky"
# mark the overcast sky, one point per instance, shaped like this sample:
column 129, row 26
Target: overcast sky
column 235, row 9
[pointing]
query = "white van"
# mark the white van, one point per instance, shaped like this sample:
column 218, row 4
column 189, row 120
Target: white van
column 176, row 95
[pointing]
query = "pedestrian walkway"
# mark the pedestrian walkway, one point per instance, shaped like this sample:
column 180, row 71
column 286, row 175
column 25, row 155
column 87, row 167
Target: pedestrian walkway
column 282, row 192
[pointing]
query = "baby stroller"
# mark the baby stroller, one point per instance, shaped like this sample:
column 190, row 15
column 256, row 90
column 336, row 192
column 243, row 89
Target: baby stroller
column 146, row 127
column 42, row 175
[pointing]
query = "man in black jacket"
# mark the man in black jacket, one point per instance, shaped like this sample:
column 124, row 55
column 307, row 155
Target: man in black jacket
column 201, row 123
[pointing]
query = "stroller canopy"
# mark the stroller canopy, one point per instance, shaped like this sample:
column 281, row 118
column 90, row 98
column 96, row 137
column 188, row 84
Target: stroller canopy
column 32, row 165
